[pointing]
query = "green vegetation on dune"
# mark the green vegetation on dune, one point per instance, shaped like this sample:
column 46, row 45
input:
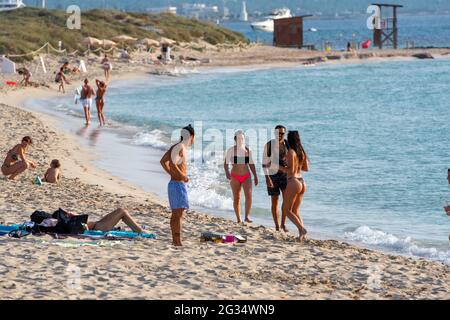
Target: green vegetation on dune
column 25, row 30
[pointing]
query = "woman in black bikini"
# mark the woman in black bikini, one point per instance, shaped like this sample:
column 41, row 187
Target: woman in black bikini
column 297, row 161
column 16, row 162
column 100, row 100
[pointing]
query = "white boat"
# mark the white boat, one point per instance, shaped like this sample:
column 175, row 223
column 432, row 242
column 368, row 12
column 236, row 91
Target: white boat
column 7, row 5
column 268, row 24
column 312, row 29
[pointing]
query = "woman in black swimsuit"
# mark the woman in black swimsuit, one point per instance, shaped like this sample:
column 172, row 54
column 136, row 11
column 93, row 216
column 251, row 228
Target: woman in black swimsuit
column 16, row 162
column 297, row 161
column 100, row 100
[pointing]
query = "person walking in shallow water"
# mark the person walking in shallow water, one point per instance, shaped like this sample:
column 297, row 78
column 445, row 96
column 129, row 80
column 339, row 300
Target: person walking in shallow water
column 100, row 100
column 274, row 158
column 240, row 157
column 86, row 100
column 174, row 162
column 297, row 161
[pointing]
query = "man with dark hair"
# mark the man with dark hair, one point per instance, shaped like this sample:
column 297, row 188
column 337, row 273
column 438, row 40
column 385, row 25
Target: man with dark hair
column 274, row 157
column 174, row 162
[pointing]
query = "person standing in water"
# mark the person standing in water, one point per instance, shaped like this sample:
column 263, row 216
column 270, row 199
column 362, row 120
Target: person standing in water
column 174, row 162
column 100, row 100
column 240, row 157
column 274, row 158
column 297, row 161
column 86, row 95
column 16, row 161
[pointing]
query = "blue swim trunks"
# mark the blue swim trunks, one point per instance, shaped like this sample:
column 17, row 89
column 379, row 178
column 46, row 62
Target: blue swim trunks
column 178, row 195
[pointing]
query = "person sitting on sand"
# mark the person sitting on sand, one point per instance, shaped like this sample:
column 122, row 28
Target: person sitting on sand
column 53, row 174
column 86, row 95
column 297, row 161
column 100, row 100
column 108, row 222
column 107, row 66
column 60, row 78
column 16, row 162
column 240, row 157
column 174, row 162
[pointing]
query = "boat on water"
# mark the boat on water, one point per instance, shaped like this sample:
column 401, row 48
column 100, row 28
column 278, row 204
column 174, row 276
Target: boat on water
column 7, row 5
column 267, row 25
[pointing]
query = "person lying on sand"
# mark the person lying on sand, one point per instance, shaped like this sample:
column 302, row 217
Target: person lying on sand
column 16, row 162
column 53, row 174
column 174, row 162
column 108, row 222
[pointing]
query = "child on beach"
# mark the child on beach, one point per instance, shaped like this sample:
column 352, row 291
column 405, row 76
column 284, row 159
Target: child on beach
column 174, row 162
column 53, row 174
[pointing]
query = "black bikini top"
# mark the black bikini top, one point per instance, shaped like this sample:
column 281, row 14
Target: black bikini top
column 241, row 160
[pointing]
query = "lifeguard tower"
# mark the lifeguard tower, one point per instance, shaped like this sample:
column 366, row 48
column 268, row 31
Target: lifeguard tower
column 388, row 34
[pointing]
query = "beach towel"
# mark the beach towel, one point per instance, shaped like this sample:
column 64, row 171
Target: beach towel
column 109, row 235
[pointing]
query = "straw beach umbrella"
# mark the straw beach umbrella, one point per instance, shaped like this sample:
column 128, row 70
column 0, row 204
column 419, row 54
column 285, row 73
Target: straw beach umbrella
column 167, row 41
column 149, row 42
column 108, row 43
column 90, row 41
column 124, row 39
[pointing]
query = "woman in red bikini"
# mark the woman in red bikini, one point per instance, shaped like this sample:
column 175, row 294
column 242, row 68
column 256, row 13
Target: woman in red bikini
column 240, row 157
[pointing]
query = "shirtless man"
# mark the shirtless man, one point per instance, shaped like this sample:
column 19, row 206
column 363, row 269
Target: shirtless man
column 87, row 92
column 16, row 162
column 174, row 162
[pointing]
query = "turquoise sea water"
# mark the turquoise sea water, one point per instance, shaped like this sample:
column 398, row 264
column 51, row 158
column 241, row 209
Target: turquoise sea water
column 424, row 31
column 377, row 135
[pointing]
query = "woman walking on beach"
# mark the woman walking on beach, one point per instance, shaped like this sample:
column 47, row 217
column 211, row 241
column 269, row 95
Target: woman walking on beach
column 100, row 100
column 61, row 79
column 106, row 67
column 240, row 157
column 297, row 161
column 16, row 162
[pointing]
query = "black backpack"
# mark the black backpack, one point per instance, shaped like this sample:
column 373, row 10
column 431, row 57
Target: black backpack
column 66, row 224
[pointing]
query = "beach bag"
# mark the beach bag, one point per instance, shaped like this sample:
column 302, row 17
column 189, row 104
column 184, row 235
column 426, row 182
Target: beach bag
column 58, row 77
column 69, row 224
column 66, row 224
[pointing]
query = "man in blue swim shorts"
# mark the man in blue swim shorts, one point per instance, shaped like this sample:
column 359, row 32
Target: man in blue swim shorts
column 174, row 162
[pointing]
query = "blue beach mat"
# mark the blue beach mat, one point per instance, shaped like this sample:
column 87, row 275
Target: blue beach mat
column 4, row 230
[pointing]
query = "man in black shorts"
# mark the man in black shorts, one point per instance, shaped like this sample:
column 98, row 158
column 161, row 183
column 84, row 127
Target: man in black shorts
column 274, row 157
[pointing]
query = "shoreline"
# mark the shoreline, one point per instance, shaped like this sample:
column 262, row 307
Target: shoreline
column 314, row 269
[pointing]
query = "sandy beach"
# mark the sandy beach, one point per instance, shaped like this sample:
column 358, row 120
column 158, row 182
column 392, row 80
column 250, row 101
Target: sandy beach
column 271, row 265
